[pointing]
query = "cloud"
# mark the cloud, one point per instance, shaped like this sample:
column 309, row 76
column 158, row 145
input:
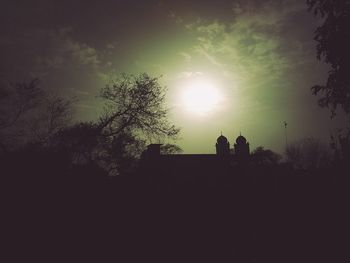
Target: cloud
column 39, row 52
column 263, row 57
column 189, row 74
column 253, row 44
column 187, row 57
column 65, row 51
column 82, row 92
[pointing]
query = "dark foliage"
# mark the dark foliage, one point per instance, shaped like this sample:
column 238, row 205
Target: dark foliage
column 133, row 111
column 77, row 141
column 340, row 143
column 170, row 149
column 120, row 153
column 263, row 156
column 251, row 215
column 308, row 153
column 333, row 42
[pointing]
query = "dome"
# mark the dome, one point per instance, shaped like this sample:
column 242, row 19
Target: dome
column 222, row 139
column 241, row 139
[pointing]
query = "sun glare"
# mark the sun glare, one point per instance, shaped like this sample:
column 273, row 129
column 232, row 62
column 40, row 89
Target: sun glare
column 201, row 97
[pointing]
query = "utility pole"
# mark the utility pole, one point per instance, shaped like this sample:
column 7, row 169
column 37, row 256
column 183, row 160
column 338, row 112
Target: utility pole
column 285, row 131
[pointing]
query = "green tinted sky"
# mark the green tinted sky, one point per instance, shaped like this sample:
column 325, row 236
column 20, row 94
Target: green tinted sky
column 259, row 54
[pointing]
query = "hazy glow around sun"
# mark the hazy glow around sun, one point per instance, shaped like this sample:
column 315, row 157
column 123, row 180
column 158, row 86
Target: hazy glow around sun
column 201, row 97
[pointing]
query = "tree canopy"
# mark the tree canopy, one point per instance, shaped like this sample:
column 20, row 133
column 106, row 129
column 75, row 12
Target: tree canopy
column 134, row 110
column 263, row 156
column 333, row 42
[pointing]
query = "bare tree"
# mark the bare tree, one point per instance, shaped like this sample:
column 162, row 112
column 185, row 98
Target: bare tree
column 136, row 103
column 54, row 114
column 30, row 115
column 134, row 111
column 17, row 100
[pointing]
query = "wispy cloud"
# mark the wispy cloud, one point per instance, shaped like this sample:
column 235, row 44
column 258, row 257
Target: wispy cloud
column 187, row 57
column 189, row 74
column 65, row 51
column 251, row 45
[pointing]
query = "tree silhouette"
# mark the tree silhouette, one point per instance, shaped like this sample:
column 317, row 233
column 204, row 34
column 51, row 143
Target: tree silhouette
column 120, row 155
column 308, row 153
column 340, row 143
column 263, row 156
column 78, row 142
column 16, row 101
column 333, row 42
column 53, row 115
column 135, row 103
column 29, row 115
column 170, row 149
column 134, row 110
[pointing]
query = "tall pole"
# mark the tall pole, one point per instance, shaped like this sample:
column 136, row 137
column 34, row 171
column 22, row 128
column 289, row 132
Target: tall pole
column 285, row 131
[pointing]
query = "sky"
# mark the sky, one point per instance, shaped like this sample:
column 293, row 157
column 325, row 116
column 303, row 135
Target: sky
column 259, row 58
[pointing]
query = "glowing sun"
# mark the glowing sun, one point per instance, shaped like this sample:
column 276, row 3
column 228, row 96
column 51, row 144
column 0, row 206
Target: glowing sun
column 201, row 97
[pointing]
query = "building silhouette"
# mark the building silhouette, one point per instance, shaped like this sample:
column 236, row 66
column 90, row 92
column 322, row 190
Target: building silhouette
column 241, row 148
column 222, row 146
column 153, row 161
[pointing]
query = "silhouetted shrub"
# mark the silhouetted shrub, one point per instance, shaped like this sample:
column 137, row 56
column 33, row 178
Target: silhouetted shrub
column 263, row 156
column 308, row 153
column 340, row 143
